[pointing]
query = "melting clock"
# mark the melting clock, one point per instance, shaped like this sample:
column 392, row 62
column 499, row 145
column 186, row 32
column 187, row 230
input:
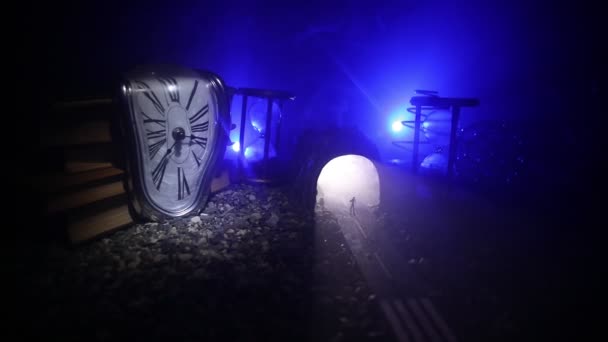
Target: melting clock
column 175, row 127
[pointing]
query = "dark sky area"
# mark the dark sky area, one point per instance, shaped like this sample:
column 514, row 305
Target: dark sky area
column 491, row 49
column 537, row 65
column 537, row 62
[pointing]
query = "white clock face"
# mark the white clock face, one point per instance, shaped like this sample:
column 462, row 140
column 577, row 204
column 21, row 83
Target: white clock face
column 174, row 117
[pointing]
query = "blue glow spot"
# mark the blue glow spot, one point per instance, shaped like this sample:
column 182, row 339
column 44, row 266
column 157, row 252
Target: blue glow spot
column 236, row 146
column 248, row 152
column 256, row 126
column 397, row 126
column 425, row 124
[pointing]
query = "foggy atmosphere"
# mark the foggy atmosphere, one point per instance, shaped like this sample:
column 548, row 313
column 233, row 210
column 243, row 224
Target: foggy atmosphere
column 273, row 171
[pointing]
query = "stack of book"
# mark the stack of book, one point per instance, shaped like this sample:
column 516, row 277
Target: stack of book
column 82, row 182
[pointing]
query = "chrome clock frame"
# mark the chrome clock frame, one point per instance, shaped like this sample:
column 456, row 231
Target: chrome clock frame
column 141, row 204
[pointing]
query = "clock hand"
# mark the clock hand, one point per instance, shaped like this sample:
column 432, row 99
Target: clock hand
column 159, row 171
column 171, row 148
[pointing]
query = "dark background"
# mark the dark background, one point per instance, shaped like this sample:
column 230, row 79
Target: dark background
column 541, row 63
column 537, row 63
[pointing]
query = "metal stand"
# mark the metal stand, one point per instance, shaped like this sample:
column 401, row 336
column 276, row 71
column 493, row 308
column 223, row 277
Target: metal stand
column 271, row 96
column 431, row 100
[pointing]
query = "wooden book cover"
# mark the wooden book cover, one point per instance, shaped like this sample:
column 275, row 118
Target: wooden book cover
column 84, row 197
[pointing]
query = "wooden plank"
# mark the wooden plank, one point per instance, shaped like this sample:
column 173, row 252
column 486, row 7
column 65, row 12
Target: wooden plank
column 84, row 197
column 61, row 181
column 67, row 115
column 54, row 160
column 83, row 103
column 89, row 153
column 86, row 228
column 81, row 133
column 75, row 166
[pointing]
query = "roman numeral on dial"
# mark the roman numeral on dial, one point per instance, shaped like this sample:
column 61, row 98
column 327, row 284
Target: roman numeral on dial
column 150, row 95
column 150, row 120
column 183, row 189
column 155, row 134
column 202, row 112
column 192, row 95
column 202, row 142
column 171, row 85
column 201, row 127
column 159, row 171
column 198, row 161
column 153, row 149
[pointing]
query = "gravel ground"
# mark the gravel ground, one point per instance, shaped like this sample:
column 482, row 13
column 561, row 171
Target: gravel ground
column 251, row 267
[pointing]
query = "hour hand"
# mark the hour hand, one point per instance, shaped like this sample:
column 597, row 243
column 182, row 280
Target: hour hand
column 159, row 171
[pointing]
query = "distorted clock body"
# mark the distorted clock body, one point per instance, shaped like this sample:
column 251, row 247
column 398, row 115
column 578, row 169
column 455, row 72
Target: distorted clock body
column 175, row 127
